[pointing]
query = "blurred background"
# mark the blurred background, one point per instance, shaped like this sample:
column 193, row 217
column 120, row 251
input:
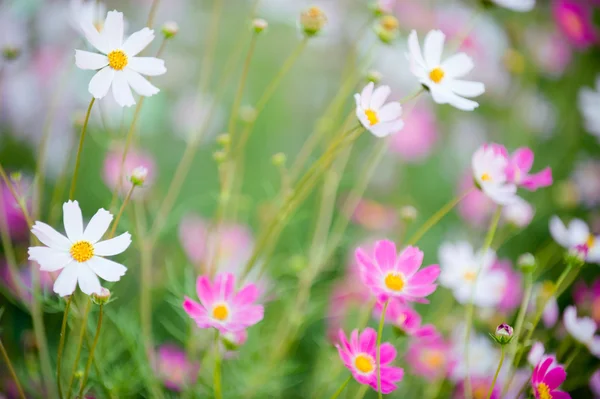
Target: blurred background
column 534, row 65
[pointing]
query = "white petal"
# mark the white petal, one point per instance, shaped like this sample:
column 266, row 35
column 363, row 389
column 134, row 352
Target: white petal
column 433, row 47
column 457, row 65
column 101, row 81
column 467, row 88
column 97, row 226
column 594, row 252
column 73, row 220
column 390, row 112
column 365, row 95
column 113, row 29
column 138, row 41
column 149, row 66
column 121, row 90
column 579, row 232
column 439, row 94
column 114, row 246
column 107, row 269
column 87, row 60
column 415, row 50
column 50, row 237
column 49, row 259
column 461, row 103
column 595, row 346
column 140, row 84
column 95, row 38
column 67, row 280
column 88, row 281
column 558, row 231
column 379, row 97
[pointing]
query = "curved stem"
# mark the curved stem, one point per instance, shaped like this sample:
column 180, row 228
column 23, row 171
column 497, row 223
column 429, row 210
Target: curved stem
column 61, row 344
column 491, row 391
column 91, row 354
column 217, row 371
column 125, row 202
column 78, row 353
column 11, row 370
column 80, row 148
column 341, row 388
column 379, row 331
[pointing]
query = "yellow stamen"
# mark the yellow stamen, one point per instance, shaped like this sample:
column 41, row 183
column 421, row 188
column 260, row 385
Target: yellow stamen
column 486, row 177
column 117, row 60
column 82, row 251
column 470, row 276
column 394, row 282
column 590, row 241
column 371, row 116
column 436, row 75
column 220, row 312
column 544, row 391
column 433, row 359
column 363, row 363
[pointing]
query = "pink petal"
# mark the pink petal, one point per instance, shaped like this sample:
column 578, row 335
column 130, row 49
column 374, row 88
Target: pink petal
column 344, row 341
column 249, row 315
column 193, row 308
column 409, row 261
column 365, row 261
column 205, row 291
column 367, row 340
column 555, row 377
column 560, row 395
column 388, row 353
column 354, row 340
column 425, row 276
column 543, row 368
column 392, row 374
column 523, row 158
column 246, row 295
column 224, row 286
column 538, row 180
column 420, row 290
column 385, row 254
column 345, row 356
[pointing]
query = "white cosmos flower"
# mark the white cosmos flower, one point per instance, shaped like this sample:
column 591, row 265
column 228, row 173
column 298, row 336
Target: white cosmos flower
column 536, row 353
column 576, row 234
column 441, row 78
column 519, row 213
column 88, row 12
column 118, row 65
column 589, row 104
column 489, row 171
column 516, row 5
column 582, row 329
column 483, row 355
column 379, row 118
column 80, row 254
column 460, row 265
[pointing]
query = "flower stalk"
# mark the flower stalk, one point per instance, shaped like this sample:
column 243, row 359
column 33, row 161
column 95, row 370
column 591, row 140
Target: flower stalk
column 91, row 354
column 341, row 388
column 11, row 370
column 61, row 344
column 378, row 361
column 502, row 353
column 80, row 149
column 82, row 332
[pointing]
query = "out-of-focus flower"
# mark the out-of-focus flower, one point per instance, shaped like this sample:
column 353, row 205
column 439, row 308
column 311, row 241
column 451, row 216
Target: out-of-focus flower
column 536, row 353
column 483, row 356
column 595, row 384
column 546, row 378
column 374, row 216
column 512, row 291
column 86, row 12
column 574, row 18
column 519, row 213
column 550, row 313
column 221, row 307
column 359, row 356
column 419, row 135
column 400, row 315
column 408, row 213
column 441, row 78
column 549, row 49
column 462, row 268
column 135, row 159
column 588, row 298
column 576, row 237
column 46, row 281
column 589, row 103
column 582, row 329
column 381, row 120
column 386, row 28
column 516, row 5
column 392, row 275
column 313, row 20
column 10, row 211
column 173, row 367
column 80, row 255
column 118, row 65
column 480, row 387
column 429, row 358
column 476, row 208
column 586, row 178
column 489, row 171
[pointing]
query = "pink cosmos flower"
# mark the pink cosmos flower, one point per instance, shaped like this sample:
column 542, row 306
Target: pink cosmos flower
column 429, row 358
column 10, row 211
column 513, row 287
column 518, row 167
column 221, row 307
column 480, row 387
column 400, row 316
column 574, row 19
column 359, row 356
column 418, row 137
column 173, row 367
column 135, row 158
column 392, row 275
column 595, row 384
column 550, row 50
column 547, row 376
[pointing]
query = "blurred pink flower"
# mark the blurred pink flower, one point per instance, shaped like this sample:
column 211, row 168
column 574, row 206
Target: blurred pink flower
column 374, row 216
column 519, row 213
column 574, row 19
column 10, row 211
column 415, row 142
column 513, row 287
column 551, row 313
column 134, row 159
column 587, row 179
column 46, row 281
column 588, row 298
column 429, row 358
column 399, row 315
column 595, row 384
column 173, row 367
column 476, row 208
column 480, row 387
column 549, row 49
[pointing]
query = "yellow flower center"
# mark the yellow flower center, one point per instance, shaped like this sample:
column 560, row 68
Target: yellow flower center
column 573, row 24
column 433, row 359
column 82, row 251
column 590, row 241
column 544, row 391
column 436, row 75
column 363, row 363
column 486, row 177
column 389, row 23
column 394, row 282
column 220, row 312
column 470, row 276
column 371, row 116
column 117, row 60
column 480, row 392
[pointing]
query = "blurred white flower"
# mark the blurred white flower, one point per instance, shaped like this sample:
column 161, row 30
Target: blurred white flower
column 441, row 78
column 489, row 168
column 536, row 353
column 86, row 12
column 576, row 236
column 118, row 67
column 519, row 213
column 582, row 329
column 483, row 355
column 381, row 120
column 589, row 105
column 516, row 5
column 587, row 179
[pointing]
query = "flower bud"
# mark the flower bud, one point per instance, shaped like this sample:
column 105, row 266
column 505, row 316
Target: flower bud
column 575, row 257
column 313, row 20
column 10, row 53
column 526, row 263
column 169, row 29
column 408, row 213
column 219, row 156
column 138, row 176
column 247, row 114
column 387, row 28
column 224, row 139
column 279, row 159
column 102, row 297
column 504, row 334
column 259, row 25
column 374, row 76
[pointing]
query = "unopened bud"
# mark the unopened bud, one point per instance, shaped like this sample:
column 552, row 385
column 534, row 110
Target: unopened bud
column 219, row 156
column 387, row 28
column 10, row 53
column 102, row 297
column 408, row 213
column 374, row 76
column 279, row 159
column 526, row 263
column 259, row 25
column 224, row 139
column 313, row 20
column 247, row 114
column 504, row 334
column 169, row 29
column 138, row 176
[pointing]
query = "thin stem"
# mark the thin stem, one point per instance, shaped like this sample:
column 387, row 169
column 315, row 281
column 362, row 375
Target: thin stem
column 491, row 391
column 217, row 371
column 361, row 392
column 240, row 90
column 341, row 388
column 91, row 354
column 574, row 354
column 11, row 259
column 11, row 370
column 80, row 149
column 61, row 344
column 379, row 331
column 80, row 346
column 152, row 13
column 121, row 210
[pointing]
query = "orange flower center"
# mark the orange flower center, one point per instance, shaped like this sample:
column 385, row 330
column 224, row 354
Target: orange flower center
column 364, row 364
column 573, row 24
column 82, row 251
column 433, row 359
column 486, row 177
column 470, row 276
column 220, row 312
column 117, row 60
column 394, row 282
column 371, row 116
column 436, row 75
column 544, row 391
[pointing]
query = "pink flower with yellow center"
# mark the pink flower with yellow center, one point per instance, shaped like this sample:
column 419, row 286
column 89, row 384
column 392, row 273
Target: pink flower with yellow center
column 546, row 378
column 429, row 356
column 574, row 18
column 359, row 356
column 392, row 275
column 221, row 307
column 174, row 368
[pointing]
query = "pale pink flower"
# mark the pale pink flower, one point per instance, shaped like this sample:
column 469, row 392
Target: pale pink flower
column 536, row 353
column 587, row 180
column 550, row 50
column 418, row 137
column 574, row 19
column 429, row 358
column 519, row 213
column 374, row 216
column 400, row 315
column 519, row 165
column 595, row 384
column 489, row 166
column 582, row 329
column 550, row 313
column 174, row 369
column 221, row 307
column 512, row 288
column 135, row 158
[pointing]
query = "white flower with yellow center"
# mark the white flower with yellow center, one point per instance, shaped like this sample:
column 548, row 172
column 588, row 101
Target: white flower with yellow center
column 516, row 5
column 80, row 254
column 441, row 78
column 377, row 117
column 118, row 65
column 489, row 172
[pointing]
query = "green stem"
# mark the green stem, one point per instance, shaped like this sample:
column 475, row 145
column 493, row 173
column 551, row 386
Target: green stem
column 80, row 346
column 91, row 354
column 80, row 149
column 574, row 354
column 152, row 13
column 240, row 91
column 125, row 202
column 497, row 372
column 379, row 331
column 61, row 344
column 341, row 388
column 11, row 370
column 217, row 371
column 361, row 392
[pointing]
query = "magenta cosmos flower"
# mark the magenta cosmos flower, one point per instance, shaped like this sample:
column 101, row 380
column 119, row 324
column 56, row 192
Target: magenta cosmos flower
column 359, row 356
column 221, row 307
column 575, row 20
column 546, row 377
column 390, row 275
column 173, row 367
column 518, row 167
